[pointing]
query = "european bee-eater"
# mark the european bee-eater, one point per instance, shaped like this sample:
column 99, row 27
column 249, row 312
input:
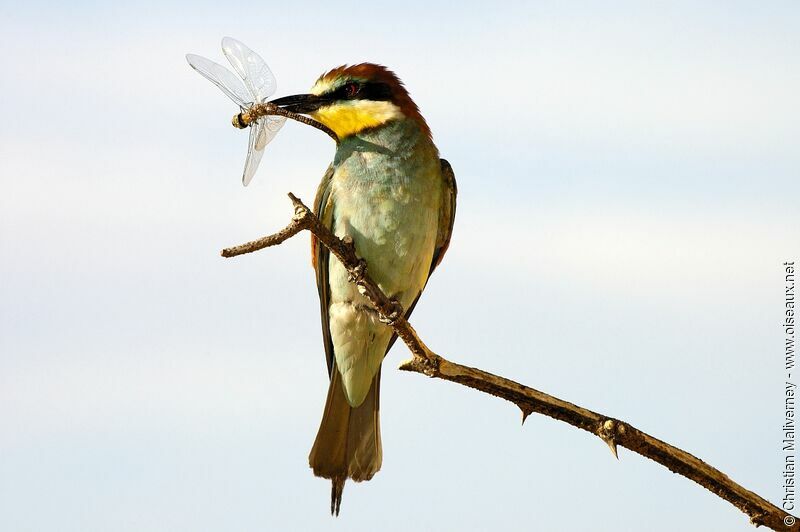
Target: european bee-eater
column 389, row 191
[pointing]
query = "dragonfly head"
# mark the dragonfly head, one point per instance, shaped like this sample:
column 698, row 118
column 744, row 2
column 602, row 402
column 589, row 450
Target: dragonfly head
column 241, row 120
column 351, row 99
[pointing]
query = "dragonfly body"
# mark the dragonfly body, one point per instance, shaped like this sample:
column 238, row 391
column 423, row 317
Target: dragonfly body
column 247, row 118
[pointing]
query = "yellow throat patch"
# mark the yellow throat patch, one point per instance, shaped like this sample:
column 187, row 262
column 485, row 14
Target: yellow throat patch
column 351, row 117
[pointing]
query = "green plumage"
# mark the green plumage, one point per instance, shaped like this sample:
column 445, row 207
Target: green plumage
column 388, row 190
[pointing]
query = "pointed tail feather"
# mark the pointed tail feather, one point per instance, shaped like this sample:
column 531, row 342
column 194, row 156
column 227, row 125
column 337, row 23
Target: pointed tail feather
column 348, row 443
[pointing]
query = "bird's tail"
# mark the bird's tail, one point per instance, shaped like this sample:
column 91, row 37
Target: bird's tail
column 348, row 443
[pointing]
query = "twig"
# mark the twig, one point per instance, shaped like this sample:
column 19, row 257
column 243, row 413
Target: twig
column 301, row 220
column 612, row 431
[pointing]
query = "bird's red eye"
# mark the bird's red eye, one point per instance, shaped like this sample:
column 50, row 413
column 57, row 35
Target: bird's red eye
column 351, row 89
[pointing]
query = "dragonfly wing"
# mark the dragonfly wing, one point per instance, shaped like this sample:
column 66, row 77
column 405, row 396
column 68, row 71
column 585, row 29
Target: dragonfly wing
column 261, row 134
column 254, row 71
column 222, row 78
column 254, row 154
column 274, row 124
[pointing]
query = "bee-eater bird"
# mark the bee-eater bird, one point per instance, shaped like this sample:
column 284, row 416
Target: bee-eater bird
column 388, row 190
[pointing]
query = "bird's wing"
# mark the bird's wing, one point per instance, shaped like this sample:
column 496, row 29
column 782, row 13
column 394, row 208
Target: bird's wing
column 447, row 214
column 319, row 259
column 447, row 217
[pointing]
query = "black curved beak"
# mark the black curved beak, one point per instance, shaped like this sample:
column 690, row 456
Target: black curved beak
column 301, row 103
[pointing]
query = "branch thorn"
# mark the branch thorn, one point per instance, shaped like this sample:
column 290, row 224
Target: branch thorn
column 608, row 433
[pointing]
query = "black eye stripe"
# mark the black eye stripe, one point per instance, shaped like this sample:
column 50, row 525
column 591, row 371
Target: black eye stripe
column 374, row 91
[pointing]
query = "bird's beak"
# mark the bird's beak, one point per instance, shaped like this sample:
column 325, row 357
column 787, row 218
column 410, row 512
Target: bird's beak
column 301, row 103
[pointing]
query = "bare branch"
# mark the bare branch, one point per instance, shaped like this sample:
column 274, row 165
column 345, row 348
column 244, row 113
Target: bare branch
column 612, row 431
column 301, row 220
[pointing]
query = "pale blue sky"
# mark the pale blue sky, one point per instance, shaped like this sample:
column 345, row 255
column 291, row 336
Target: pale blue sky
column 628, row 181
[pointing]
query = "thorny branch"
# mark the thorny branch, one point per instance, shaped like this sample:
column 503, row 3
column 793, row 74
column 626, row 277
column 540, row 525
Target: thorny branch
column 612, row 431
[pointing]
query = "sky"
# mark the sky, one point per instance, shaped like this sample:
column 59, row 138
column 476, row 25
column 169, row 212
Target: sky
column 628, row 185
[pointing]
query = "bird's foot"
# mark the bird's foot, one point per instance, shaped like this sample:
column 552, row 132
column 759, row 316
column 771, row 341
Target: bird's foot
column 356, row 274
column 395, row 313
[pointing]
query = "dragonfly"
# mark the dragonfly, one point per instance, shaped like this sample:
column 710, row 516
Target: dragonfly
column 249, row 90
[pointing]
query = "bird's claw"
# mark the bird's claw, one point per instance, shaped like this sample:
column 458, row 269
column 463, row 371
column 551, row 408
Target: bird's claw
column 395, row 313
column 357, row 274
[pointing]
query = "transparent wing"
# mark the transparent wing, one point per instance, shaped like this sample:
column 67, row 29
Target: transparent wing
column 254, row 71
column 274, row 124
column 222, row 78
column 253, row 154
column 261, row 133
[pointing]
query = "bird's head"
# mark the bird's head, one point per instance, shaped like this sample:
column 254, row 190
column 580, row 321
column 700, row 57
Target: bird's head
column 352, row 99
